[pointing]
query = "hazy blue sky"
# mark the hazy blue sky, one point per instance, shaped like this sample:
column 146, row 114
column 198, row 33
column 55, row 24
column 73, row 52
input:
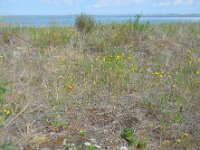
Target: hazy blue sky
column 65, row 7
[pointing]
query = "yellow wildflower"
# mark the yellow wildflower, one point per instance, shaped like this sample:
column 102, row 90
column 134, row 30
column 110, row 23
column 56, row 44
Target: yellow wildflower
column 178, row 140
column 190, row 62
column 62, row 58
column 189, row 51
column 104, row 58
column 108, row 58
column 118, row 57
column 167, row 142
column 133, row 67
column 197, row 59
column 186, row 134
column 156, row 73
column 129, row 46
column 197, row 82
column 173, row 86
column 97, row 58
column 7, row 111
column 94, row 82
column 71, row 86
column 197, row 72
column 169, row 76
column 44, row 85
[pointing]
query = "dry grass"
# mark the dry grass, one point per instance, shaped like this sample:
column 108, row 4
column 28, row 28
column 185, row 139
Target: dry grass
column 59, row 86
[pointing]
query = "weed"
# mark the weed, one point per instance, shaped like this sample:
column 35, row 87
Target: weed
column 128, row 135
column 4, row 111
column 6, row 146
column 141, row 144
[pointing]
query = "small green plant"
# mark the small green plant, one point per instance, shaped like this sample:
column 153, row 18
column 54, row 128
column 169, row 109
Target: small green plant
column 88, row 146
column 128, row 135
column 6, row 146
column 91, row 148
column 82, row 134
column 57, row 124
column 131, row 137
column 4, row 112
column 3, row 87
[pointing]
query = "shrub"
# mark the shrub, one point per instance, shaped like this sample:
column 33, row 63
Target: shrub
column 84, row 23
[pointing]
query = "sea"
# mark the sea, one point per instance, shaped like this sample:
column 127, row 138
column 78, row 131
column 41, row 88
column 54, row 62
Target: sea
column 69, row 20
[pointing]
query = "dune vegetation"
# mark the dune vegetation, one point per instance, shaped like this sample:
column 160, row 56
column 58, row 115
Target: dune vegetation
column 100, row 86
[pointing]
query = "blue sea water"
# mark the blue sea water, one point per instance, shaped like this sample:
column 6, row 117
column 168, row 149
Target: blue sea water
column 70, row 19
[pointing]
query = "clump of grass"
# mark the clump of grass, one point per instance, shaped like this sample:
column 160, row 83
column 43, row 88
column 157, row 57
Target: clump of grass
column 84, row 23
column 4, row 111
column 6, row 146
column 51, row 37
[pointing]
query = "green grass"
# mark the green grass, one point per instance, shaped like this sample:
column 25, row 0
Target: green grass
column 130, row 75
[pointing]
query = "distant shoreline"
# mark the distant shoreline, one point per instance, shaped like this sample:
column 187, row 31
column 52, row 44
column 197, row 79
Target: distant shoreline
column 128, row 15
column 69, row 20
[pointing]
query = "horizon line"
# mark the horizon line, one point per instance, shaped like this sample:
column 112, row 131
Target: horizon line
column 140, row 14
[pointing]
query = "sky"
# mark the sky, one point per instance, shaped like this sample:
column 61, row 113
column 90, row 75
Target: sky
column 98, row 7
